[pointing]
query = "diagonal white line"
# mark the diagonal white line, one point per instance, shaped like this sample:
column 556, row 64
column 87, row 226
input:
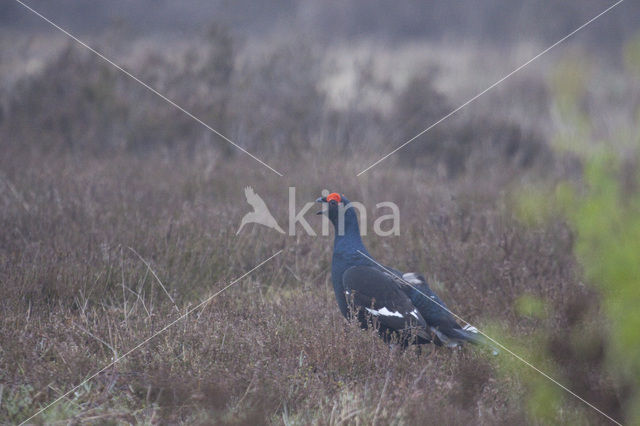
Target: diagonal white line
column 493, row 85
column 145, row 341
column 518, row 357
column 145, row 85
column 157, row 278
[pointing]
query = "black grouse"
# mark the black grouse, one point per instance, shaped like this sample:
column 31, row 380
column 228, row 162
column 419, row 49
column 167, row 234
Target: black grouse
column 397, row 303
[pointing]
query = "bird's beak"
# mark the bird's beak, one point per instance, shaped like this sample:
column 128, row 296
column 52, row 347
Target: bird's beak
column 321, row 200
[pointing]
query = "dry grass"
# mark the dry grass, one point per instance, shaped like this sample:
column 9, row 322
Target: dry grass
column 272, row 347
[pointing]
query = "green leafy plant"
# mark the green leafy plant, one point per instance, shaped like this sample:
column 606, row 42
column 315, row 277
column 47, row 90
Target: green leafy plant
column 602, row 208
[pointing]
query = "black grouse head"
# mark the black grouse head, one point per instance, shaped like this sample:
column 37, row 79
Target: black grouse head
column 334, row 204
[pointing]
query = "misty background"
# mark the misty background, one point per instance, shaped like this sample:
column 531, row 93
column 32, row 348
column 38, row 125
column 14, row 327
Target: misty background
column 500, row 21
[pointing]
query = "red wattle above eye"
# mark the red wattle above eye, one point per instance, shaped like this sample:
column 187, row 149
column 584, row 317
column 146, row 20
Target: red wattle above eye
column 334, row 197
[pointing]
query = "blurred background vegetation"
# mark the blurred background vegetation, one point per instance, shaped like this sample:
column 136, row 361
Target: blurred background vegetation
column 603, row 210
column 522, row 209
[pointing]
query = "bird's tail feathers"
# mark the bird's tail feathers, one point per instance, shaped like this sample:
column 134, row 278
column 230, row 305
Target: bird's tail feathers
column 471, row 335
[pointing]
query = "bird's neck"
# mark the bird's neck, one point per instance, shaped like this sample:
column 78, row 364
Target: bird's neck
column 348, row 250
column 348, row 241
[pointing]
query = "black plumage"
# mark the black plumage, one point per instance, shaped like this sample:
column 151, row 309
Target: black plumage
column 379, row 299
column 398, row 303
column 438, row 317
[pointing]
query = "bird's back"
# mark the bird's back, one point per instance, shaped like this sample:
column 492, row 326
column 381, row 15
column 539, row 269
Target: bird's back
column 432, row 308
